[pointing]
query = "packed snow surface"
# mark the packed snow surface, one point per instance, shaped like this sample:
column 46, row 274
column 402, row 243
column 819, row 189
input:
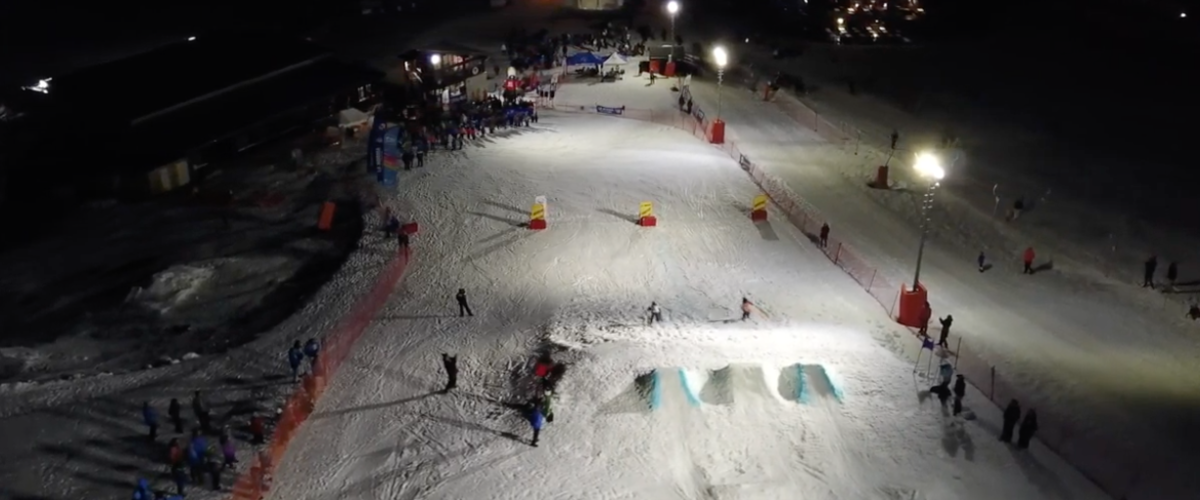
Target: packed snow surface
column 699, row 406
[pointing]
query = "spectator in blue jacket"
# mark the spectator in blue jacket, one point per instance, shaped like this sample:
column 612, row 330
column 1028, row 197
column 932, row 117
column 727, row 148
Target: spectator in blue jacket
column 295, row 356
column 142, row 490
column 536, row 420
column 311, row 349
column 150, row 418
column 197, row 455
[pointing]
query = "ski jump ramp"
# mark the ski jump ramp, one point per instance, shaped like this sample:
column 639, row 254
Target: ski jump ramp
column 737, row 384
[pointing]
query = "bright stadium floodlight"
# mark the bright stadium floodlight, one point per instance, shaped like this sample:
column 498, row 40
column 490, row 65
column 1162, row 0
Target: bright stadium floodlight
column 435, row 59
column 720, row 58
column 929, row 166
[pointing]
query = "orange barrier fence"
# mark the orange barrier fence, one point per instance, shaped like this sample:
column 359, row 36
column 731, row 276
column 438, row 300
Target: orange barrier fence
column 256, row 482
column 1102, row 462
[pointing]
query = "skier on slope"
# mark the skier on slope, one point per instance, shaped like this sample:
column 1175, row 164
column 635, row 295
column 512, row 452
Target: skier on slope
column 450, row 363
column 295, row 356
column 1028, row 257
column 981, row 260
column 747, row 306
column 655, row 313
column 824, row 235
column 463, row 307
column 1172, row 273
column 1012, row 413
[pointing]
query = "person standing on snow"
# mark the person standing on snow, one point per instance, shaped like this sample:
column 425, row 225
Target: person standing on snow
column 1027, row 257
column 536, row 421
column 1029, row 426
column 295, row 356
column 180, row 478
column 202, row 412
column 228, row 451
column 176, row 414
column 960, row 391
column 150, row 418
column 450, row 363
column 1148, row 271
column 312, row 348
column 174, row 454
column 945, row 333
column 824, row 235
column 981, row 260
column 197, row 456
column 747, row 306
column 213, row 464
column 655, row 313
column 142, row 490
column 1172, row 273
column 926, row 316
column 1012, row 413
column 463, row 307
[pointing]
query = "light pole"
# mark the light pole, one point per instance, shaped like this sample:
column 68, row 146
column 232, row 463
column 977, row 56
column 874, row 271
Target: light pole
column 720, row 58
column 672, row 9
column 929, row 167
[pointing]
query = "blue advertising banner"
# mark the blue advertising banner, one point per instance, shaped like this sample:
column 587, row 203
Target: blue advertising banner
column 391, row 149
column 390, row 177
column 610, row 111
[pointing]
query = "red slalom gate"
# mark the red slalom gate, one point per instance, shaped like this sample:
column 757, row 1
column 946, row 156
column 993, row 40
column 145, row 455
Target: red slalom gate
column 256, row 482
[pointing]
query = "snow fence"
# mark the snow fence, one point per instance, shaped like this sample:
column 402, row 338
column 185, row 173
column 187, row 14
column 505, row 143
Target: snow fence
column 1101, row 459
column 256, row 482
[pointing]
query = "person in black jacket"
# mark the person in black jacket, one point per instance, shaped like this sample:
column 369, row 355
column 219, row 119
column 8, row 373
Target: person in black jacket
column 1029, row 426
column 1148, row 271
column 1012, row 414
column 960, row 391
column 450, row 363
column 463, row 307
column 176, row 414
column 946, row 322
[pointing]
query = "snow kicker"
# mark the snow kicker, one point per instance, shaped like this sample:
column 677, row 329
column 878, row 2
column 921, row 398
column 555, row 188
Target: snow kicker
column 678, row 388
column 801, row 382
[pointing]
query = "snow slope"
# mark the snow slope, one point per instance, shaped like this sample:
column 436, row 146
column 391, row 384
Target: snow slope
column 1104, row 362
column 84, row 438
column 579, row 290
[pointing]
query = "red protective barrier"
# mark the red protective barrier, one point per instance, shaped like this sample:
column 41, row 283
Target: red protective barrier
column 256, row 483
column 1115, row 474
